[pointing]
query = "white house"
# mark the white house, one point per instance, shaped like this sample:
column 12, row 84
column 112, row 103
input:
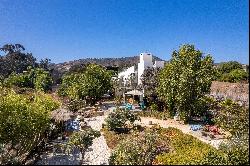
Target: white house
column 125, row 75
column 146, row 60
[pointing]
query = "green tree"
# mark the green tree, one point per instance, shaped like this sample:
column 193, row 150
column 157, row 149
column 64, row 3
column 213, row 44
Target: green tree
column 185, row 80
column 42, row 79
column 231, row 71
column 15, row 60
column 44, row 64
column 149, row 80
column 90, row 85
column 227, row 67
column 36, row 78
column 237, row 75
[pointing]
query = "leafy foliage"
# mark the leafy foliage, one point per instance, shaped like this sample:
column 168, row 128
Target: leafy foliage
column 15, row 60
column 156, row 114
column 83, row 139
column 113, row 138
column 119, row 117
column 139, row 148
column 44, row 64
column 75, row 104
column 235, row 75
column 231, row 71
column 36, row 78
column 233, row 118
column 23, row 119
column 227, row 67
column 149, row 81
column 185, row 80
column 186, row 149
column 90, row 85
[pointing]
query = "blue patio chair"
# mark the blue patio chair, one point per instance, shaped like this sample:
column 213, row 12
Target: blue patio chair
column 129, row 106
column 195, row 127
column 142, row 105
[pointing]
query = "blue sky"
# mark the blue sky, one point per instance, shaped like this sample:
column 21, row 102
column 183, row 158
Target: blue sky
column 64, row 30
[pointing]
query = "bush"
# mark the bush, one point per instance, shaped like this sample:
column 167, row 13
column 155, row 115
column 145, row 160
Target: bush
column 118, row 119
column 75, row 104
column 138, row 149
column 235, row 75
column 83, row 139
column 36, row 78
column 112, row 138
column 229, row 155
column 156, row 114
column 233, row 118
column 154, row 107
column 24, row 118
column 185, row 149
column 213, row 158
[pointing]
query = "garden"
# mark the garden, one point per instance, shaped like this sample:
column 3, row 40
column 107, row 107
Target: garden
column 77, row 124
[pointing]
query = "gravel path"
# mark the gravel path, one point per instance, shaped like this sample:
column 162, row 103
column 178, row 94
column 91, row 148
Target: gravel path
column 60, row 158
column 98, row 153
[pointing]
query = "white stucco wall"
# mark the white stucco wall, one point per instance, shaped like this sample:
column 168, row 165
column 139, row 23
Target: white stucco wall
column 126, row 74
column 146, row 60
column 159, row 64
column 146, row 57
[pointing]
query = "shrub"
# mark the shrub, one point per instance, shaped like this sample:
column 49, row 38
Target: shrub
column 117, row 119
column 213, row 158
column 229, row 155
column 36, row 78
column 112, row 138
column 75, row 104
column 83, row 139
column 42, row 80
column 154, row 107
column 233, row 118
column 185, row 149
column 138, row 149
column 227, row 67
column 118, row 100
column 24, row 118
column 156, row 114
column 235, row 75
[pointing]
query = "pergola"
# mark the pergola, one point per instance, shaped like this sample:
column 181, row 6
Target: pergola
column 134, row 93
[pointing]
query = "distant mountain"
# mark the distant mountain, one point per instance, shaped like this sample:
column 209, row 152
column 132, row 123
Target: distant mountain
column 121, row 63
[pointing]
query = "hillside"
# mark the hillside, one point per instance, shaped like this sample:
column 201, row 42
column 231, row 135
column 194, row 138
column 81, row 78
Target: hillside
column 120, row 63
